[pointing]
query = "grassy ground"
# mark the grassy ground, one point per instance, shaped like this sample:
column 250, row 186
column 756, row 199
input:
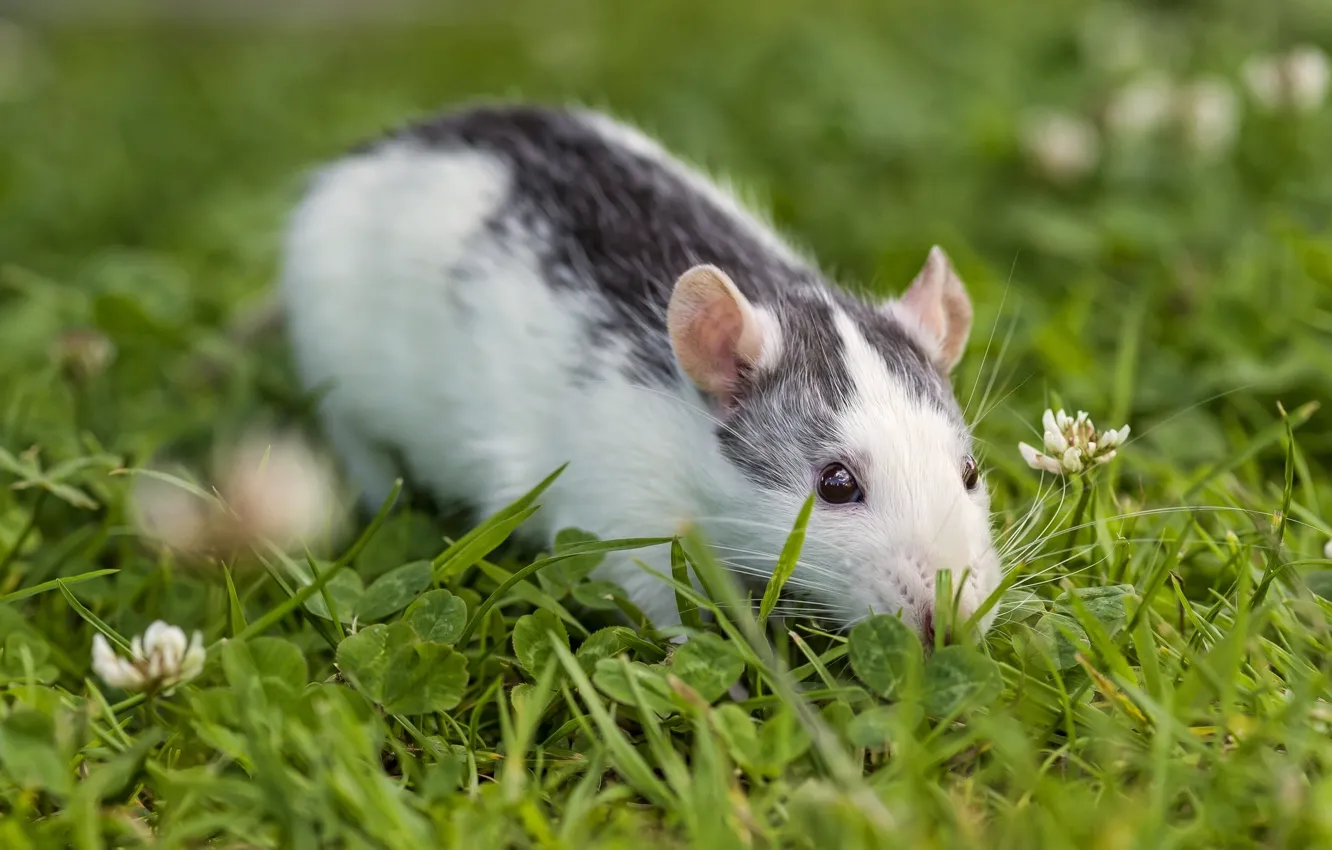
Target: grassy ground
column 1159, row 675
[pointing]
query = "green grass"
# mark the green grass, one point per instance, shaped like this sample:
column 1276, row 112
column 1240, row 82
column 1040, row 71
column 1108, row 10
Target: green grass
column 1160, row 672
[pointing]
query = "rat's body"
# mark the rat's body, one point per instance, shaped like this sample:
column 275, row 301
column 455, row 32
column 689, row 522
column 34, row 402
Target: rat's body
column 506, row 289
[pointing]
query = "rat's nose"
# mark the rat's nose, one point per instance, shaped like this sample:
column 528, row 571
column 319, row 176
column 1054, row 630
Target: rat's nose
column 927, row 634
column 927, row 628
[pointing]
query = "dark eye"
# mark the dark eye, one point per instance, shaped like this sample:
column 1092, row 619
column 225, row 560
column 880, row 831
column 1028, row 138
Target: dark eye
column 838, row 486
column 970, row 473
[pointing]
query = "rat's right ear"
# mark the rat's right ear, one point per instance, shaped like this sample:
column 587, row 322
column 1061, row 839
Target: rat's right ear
column 715, row 332
column 938, row 301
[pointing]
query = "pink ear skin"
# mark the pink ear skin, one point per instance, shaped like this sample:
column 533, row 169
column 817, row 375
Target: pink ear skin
column 939, row 302
column 714, row 331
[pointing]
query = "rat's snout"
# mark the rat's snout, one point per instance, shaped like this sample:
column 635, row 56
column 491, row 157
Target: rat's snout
column 921, row 606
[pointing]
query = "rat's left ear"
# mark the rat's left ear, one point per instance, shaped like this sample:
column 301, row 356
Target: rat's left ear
column 938, row 302
column 715, row 332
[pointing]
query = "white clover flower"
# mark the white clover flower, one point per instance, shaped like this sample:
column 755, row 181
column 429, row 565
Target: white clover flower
column 1063, row 147
column 1140, row 107
column 1208, row 114
column 1296, row 81
column 160, row 660
column 1072, row 444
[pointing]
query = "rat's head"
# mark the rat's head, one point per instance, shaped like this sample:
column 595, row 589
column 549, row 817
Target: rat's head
column 815, row 390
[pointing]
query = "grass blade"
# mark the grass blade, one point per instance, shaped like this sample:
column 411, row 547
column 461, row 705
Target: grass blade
column 483, row 539
column 91, row 618
column 1274, row 563
column 689, row 617
column 54, row 584
column 236, row 612
column 786, row 564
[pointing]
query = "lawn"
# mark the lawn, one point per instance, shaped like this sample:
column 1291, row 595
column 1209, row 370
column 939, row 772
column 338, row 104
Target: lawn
column 1141, row 217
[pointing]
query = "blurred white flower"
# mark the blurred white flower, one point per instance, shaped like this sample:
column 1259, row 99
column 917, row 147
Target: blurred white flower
column 160, row 660
column 1307, row 74
column 1063, row 147
column 269, row 490
column 1327, row 550
column 1072, row 444
column 1296, row 81
column 169, row 514
column 278, row 490
column 1208, row 113
column 1140, row 107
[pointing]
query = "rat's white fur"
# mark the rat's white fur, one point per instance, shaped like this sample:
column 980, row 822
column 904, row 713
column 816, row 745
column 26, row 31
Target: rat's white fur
column 474, row 380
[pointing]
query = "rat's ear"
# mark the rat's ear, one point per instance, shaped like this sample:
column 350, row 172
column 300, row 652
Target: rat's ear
column 938, row 301
column 714, row 330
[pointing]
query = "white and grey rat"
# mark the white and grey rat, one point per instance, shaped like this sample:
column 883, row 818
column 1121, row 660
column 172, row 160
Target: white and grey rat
column 505, row 288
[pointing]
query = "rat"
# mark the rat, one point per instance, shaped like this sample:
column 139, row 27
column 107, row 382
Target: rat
column 498, row 290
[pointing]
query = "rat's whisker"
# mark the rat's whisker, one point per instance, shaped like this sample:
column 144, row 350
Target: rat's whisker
column 984, row 406
column 784, row 531
column 1026, row 585
column 986, row 411
column 803, row 572
column 1012, row 544
column 980, row 372
column 1021, row 527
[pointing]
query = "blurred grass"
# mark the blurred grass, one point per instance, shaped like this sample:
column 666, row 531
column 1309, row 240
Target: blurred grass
column 145, row 169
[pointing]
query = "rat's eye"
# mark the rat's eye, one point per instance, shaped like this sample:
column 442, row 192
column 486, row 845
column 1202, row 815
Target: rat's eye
column 970, row 473
column 838, row 486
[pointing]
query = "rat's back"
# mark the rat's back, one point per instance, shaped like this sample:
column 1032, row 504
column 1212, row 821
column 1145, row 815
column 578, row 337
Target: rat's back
column 482, row 297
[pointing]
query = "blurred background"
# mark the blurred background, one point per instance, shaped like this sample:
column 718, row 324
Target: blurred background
column 1137, row 194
